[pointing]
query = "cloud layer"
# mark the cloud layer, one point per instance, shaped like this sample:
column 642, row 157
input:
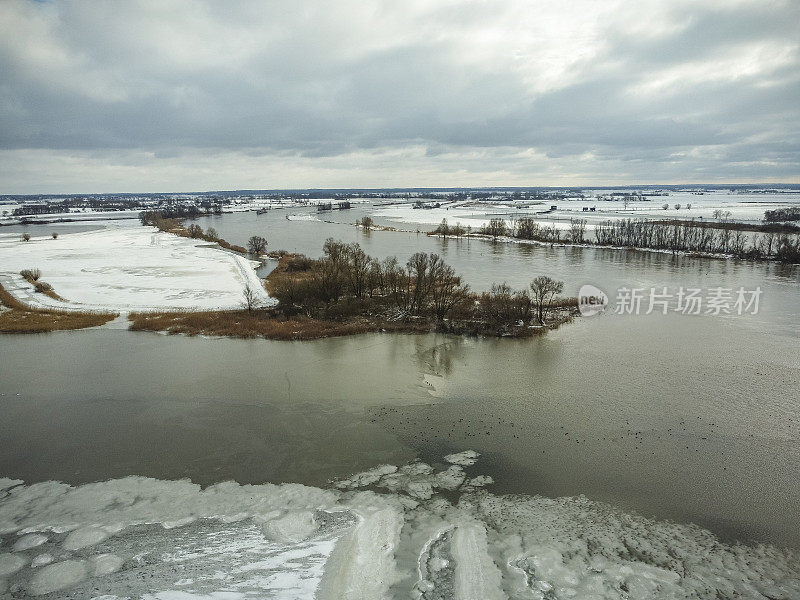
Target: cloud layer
column 177, row 95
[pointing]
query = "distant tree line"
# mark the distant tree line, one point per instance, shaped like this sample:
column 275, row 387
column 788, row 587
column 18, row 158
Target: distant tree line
column 180, row 211
column 346, row 282
column 782, row 214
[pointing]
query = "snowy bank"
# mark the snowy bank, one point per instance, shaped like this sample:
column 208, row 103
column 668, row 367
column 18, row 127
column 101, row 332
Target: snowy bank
column 145, row 538
column 128, row 269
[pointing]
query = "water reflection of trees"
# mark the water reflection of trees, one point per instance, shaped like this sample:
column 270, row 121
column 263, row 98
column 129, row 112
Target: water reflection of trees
column 440, row 358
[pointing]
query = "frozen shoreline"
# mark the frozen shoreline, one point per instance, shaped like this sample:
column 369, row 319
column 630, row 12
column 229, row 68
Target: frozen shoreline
column 128, row 269
column 167, row 540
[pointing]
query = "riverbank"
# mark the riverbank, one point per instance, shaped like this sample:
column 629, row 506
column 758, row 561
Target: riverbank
column 17, row 317
column 262, row 324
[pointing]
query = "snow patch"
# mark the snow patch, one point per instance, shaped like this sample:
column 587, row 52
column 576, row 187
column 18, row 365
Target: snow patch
column 105, row 564
column 86, row 536
column 29, row 541
column 11, row 563
column 292, row 527
column 127, row 269
column 465, row 459
column 57, row 576
column 41, row 560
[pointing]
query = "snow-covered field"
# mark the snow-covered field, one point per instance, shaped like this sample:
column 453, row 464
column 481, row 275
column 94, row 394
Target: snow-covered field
column 171, row 540
column 128, row 268
column 742, row 207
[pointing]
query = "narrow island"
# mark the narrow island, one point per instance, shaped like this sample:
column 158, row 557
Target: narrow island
column 347, row 292
column 775, row 239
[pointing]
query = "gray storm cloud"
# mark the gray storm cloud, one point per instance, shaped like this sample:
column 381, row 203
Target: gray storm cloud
column 192, row 95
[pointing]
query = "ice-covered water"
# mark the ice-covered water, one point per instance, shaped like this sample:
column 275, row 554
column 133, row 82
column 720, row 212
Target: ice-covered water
column 430, row 533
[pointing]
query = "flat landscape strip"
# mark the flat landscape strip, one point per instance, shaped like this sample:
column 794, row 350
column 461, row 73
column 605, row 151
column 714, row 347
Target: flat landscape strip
column 21, row 318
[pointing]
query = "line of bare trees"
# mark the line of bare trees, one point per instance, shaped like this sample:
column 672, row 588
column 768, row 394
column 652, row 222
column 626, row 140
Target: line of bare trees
column 526, row 228
column 683, row 236
column 347, row 282
column 691, row 236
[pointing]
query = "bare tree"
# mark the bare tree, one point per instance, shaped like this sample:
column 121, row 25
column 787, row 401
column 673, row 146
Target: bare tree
column 527, row 228
column 495, row 228
column 26, row 237
column 418, row 281
column 55, row 235
column 212, row 234
column 367, row 223
column 447, row 291
column 249, row 298
column 357, row 269
column 543, row 290
column 257, row 245
column 577, row 230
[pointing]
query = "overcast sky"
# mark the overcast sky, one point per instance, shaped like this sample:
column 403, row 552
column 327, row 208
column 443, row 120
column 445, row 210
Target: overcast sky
column 171, row 95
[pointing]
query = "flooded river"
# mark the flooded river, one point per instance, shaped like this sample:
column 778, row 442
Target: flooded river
column 688, row 418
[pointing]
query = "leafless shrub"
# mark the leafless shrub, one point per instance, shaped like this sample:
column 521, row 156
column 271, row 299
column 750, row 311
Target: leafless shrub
column 31, row 274
column 299, row 263
column 250, row 298
column 194, row 230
